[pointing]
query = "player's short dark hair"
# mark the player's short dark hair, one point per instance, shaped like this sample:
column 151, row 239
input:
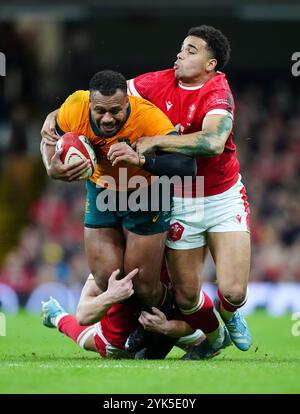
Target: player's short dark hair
column 107, row 82
column 217, row 43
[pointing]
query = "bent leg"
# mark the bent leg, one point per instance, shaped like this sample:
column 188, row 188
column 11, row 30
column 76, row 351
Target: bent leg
column 54, row 316
column 185, row 268
column 89, row 343
column 82, row 335
column 105, row 252
column 146, row 253
column 231, row 252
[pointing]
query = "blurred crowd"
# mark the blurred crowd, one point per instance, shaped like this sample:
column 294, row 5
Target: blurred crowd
column 268, row 139
column 50, row 247
column 48, row 241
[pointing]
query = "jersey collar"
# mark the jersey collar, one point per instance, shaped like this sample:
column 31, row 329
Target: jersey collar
column 190, row 88
column 194, row 88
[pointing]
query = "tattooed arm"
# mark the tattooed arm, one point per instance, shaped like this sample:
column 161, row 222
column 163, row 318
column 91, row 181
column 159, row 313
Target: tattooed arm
column 210, row 141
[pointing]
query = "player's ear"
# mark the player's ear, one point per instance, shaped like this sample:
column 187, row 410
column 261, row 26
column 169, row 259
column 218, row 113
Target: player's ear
column 211, row 64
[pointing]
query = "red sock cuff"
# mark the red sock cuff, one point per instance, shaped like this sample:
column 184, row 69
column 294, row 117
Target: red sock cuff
column 70, row 327
column 230, row 307
column 204, row 317
column 64, row 320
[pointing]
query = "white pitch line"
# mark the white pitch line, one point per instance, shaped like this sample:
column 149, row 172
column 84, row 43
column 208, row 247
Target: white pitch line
column 89, row 366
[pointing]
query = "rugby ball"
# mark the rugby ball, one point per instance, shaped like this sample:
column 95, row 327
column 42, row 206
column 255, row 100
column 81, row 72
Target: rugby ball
column 75, row 148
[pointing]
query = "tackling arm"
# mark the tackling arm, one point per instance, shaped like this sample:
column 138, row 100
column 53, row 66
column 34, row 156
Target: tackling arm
column 157, row 322
column 208, row 142
column 48, row 131
column 168, row 164
column 94, row 303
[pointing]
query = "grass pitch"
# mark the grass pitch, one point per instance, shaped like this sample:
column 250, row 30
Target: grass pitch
column 34, row 359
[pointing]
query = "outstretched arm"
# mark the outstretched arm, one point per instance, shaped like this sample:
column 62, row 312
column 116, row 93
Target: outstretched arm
column 208, row 142
column 164, row 163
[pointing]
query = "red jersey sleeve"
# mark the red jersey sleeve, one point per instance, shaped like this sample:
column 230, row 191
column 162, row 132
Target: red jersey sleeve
column 219, row 102
column 142, row 85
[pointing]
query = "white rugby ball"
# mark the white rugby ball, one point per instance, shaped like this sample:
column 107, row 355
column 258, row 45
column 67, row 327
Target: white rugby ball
column 75, row 148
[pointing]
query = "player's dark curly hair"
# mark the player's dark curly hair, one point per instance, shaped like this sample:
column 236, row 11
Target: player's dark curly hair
column 107, row 82
column 217, row 43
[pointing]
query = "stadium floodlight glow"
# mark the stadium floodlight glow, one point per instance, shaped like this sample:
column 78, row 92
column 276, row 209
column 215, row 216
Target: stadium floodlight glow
column 2, row 64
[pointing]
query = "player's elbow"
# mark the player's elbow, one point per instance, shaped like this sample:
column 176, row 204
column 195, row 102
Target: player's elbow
column 218, row 148
column 82, row 316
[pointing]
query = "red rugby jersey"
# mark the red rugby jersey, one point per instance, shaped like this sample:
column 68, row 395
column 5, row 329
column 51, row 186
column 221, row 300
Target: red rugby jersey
column 186, row 107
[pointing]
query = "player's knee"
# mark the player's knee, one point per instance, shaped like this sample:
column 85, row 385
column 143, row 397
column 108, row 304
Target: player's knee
column 101, row 275
column 147, row 291
column 100, row 279
column 89, row 343
column 234, row 295
column 185, row 297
